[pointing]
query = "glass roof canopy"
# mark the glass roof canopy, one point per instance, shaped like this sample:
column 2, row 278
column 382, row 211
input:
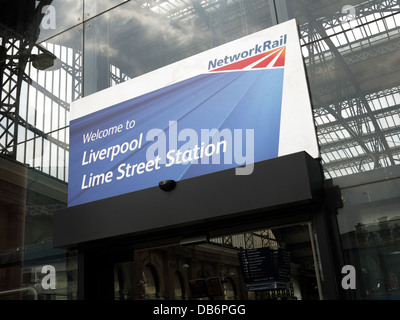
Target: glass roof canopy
column 353, row 66
column 354, row 86
column 356, row 112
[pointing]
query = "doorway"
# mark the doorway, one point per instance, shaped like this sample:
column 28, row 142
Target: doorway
column 281, row 263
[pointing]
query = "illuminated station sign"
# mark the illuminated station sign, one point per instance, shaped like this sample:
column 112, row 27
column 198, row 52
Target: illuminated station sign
column 229, row 107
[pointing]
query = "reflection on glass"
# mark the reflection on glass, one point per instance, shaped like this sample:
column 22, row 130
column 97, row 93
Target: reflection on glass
column 179, row 286
column 369, row 225
column 45, row 105
column 338, row 13
column 41, row 95
column 57, row 17
column 354, row 82
column 150, row 283
column 93, row 7
column 137, row 37
column 281, row 265
column 230, row 289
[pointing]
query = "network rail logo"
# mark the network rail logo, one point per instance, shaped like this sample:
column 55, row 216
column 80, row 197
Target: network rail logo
column 270, row 54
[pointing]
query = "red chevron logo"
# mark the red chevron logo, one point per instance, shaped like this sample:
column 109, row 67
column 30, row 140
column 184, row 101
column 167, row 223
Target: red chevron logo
column 269, row 59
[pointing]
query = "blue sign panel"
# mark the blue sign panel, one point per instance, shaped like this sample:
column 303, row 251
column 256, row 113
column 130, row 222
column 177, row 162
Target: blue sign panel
column 201, row 125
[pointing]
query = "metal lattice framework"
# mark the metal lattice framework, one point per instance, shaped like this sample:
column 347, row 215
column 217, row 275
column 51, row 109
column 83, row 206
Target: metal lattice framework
column 12, row 72
column 355, row 111
column 356, row 117
column 35, row 131
column 248, row 240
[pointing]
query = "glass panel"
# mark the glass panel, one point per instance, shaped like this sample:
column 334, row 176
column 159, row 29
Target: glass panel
column 48, row 95
column 179, row 286
column 355, row 89
column 93, row 7
column 150, row 285
column 57, row 17
column 268, row 264
column 351, row 54
column 140, row 36
column 335, row 16
column 12, row 214
column 370, row 230
column 28, row 200
column 26, row 211
column 230, row 289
